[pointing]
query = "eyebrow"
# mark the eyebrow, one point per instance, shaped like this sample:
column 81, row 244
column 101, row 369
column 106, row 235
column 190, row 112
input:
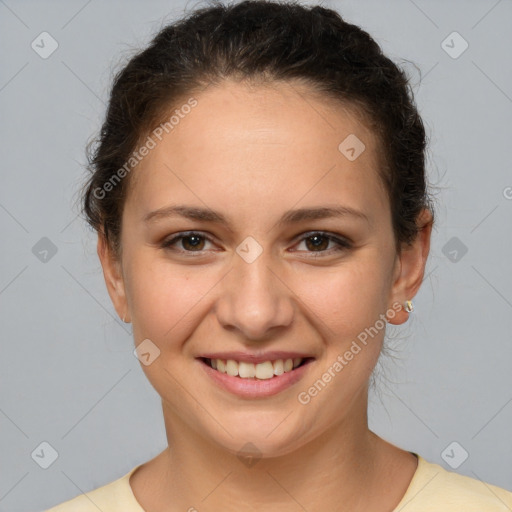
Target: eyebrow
column 289, row 217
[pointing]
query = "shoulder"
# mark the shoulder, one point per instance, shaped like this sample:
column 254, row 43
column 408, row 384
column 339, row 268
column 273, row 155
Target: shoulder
column 115, row 496
column 434, row 488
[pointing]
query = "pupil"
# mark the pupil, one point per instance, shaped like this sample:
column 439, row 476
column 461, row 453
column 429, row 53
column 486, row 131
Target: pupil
column 318, row 240
column 195, row 243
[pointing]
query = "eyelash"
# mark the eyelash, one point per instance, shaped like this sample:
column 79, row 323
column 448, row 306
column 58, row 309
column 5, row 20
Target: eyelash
column 342, row 244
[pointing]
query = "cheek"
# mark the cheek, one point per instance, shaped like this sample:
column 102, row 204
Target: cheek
column 164, row 298
column 344, row 301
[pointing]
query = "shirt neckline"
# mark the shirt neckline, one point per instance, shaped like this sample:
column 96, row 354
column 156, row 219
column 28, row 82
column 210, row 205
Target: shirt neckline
column 413, row 484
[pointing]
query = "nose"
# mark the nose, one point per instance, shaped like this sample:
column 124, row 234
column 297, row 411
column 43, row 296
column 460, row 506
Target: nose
column 254, row 299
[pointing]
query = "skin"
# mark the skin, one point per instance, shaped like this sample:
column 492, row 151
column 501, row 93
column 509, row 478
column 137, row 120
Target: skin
column 252, row 153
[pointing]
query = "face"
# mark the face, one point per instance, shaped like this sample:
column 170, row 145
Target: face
column 281, row 276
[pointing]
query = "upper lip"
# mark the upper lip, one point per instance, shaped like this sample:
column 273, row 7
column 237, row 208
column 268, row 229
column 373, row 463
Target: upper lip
column 255, row 358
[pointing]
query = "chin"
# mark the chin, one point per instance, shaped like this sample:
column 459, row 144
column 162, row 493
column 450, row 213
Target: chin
column 253, row 437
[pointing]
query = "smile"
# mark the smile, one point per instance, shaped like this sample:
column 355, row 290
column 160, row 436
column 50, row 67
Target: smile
column 255, row 380
column 264, row 370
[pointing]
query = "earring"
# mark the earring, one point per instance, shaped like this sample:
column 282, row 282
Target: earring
column 408, row 306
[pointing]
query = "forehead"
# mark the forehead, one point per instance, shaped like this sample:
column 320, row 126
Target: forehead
column 261, row 143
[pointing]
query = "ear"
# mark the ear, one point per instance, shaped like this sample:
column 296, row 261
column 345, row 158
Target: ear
column 112, row 272
column 410, row 267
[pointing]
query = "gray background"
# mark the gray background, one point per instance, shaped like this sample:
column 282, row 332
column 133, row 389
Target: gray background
column 68, row 374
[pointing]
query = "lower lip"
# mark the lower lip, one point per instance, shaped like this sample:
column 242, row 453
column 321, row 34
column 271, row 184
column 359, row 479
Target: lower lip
column 256, row 388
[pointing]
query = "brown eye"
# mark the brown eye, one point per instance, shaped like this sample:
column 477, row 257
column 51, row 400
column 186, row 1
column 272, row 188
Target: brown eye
column 318, row 242
column 193, row 242
column 190, row 242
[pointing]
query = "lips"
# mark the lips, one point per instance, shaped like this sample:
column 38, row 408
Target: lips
column 263, row 384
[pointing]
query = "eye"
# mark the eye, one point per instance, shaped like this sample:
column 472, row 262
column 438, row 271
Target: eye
column 316, row 242
column 190, row 242
column 319, row 241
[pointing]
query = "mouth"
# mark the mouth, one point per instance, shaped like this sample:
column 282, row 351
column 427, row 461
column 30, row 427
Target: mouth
column 257, row 380
column 264, row 370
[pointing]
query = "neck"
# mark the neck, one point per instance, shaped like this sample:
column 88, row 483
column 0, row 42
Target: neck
column 335, row 467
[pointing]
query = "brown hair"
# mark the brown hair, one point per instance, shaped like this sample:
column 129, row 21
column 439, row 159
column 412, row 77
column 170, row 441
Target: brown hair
column 267, row 41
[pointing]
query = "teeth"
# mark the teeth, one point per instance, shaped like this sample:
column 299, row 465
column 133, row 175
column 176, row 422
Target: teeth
column 263, row 371
column 278, row 367
column 246, row 370
column 231, row 368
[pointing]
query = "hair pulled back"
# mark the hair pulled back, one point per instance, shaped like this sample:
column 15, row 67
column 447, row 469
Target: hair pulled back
column 266, row 41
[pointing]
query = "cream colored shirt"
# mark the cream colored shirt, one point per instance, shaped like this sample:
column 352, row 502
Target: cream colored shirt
column 432, row 489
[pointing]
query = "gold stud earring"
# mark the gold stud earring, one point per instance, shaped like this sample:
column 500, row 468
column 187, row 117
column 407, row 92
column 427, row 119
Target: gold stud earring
column 408, row 306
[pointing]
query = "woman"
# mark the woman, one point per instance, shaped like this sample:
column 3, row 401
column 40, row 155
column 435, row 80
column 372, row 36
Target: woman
column 262, row 211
